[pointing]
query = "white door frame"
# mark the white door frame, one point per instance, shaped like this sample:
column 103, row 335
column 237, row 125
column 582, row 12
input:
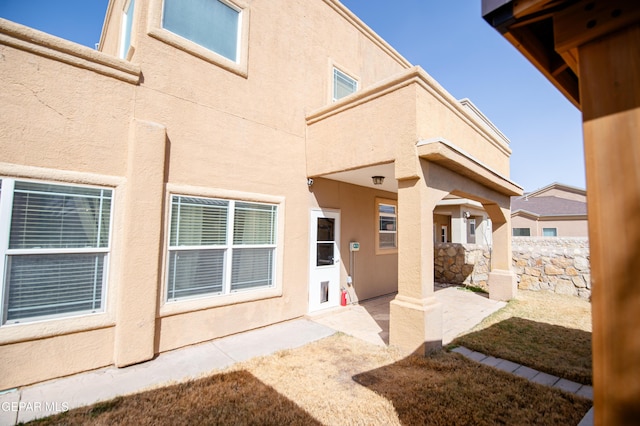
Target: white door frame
column 324, row 279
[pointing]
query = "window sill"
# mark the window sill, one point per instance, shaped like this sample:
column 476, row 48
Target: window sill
column 380, row 251
column 199, row 51
column 215, row 301
column 15, row 333
column 240, row 68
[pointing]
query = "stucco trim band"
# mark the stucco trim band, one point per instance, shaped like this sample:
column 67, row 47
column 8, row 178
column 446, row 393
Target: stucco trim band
column 367, row 32
column 414, row 75
column 446, row 154
column 52, row 47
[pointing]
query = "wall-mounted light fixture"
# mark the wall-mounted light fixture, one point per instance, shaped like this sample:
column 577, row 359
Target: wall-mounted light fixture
column 377, row 180
column 309, row 181
column 466, row 215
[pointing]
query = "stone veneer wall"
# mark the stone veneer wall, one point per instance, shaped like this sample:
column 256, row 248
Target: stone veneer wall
column 556, row 264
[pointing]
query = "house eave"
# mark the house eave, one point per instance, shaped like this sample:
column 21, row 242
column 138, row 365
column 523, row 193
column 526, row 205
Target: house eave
column 446, row 154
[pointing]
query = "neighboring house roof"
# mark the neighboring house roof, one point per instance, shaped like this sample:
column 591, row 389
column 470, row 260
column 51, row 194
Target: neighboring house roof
column 555, row 185
column 537, row 204
column 548, row 206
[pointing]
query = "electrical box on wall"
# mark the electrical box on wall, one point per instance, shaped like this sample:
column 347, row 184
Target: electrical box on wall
column 354, row 246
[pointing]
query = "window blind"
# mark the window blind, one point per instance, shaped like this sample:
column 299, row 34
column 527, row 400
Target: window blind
column 46, row 285
column 219, row 246
column 57, row 251
column 212, row 24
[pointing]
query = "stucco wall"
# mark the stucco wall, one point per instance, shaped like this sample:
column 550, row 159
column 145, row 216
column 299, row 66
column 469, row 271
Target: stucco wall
column 373, row 274
column 566, row 227
column 183, row 126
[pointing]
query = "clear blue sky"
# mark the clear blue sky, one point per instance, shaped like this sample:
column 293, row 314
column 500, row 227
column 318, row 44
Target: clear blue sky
column 451, row 41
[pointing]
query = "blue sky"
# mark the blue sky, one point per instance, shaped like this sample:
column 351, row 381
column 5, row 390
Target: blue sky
column 451, row 41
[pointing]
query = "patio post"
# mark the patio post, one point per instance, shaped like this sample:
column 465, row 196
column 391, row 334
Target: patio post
column 415, row 322
column 502, row 280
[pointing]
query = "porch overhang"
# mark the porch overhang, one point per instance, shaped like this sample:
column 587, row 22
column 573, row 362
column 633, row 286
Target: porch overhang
column 446, row 154
column 381, row 124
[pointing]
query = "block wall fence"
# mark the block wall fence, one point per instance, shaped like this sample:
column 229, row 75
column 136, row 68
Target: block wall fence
column 560, row 265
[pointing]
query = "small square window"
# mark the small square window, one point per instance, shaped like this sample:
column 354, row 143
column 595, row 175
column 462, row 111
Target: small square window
column 343, row 85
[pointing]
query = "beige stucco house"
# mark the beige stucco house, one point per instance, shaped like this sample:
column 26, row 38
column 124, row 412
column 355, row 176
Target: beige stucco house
column 556, row 210
column 182, row 184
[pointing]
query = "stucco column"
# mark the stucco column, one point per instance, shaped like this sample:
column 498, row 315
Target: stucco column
column 503, row 284
column 138, row 285
column 458, row 227
column 416, row 315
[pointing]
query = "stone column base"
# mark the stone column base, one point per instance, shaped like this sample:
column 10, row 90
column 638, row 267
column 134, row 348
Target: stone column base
column 415, row 325
column 503, row 285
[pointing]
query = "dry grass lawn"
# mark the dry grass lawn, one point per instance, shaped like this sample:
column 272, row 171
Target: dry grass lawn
column 341, row 380
column 542, row 330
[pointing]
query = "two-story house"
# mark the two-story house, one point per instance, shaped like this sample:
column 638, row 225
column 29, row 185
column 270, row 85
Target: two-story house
column 205, row 171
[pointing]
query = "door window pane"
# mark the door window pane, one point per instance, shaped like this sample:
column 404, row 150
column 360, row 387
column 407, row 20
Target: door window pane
column 326, row 229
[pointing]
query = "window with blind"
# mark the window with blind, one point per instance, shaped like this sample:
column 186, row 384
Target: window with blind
column 220, row 246
column 343, row 85
column 387, row 226
column 213, row 24
column 54, row 241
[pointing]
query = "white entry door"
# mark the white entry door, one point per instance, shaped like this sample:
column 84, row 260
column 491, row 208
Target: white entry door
column 324, row 262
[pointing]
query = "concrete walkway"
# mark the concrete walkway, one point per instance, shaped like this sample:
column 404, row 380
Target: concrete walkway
column 54, row 396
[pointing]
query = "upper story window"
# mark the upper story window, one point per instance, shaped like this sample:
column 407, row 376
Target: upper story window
column 54, row 248
column 213, row 24
column 343, row 85
column 127, row 25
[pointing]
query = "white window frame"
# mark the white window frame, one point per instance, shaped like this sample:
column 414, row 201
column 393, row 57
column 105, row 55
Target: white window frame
column 378, row 214
column 472, row 227
column 228, row 248
column 239, row 66
column 337, row 72
column 554, row 229
column 127, row 28
column 7, row 190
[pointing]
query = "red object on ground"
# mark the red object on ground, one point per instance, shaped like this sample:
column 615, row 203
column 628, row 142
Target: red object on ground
column 343, row 298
